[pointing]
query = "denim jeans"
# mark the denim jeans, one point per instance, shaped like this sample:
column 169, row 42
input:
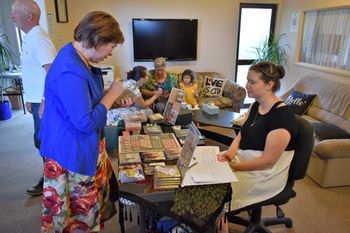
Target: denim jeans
column 37, row 121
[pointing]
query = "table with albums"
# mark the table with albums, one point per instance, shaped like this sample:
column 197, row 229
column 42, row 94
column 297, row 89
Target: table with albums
column 150, row 174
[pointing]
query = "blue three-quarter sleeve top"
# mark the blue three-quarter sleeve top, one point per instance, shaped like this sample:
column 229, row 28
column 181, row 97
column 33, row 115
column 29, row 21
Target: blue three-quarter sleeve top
column 73, row 117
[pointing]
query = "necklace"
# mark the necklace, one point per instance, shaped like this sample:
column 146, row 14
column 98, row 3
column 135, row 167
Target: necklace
column 256, row 118
column 86, row 61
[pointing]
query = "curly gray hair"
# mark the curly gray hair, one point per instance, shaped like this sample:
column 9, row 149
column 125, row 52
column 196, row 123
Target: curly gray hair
column 159, row 62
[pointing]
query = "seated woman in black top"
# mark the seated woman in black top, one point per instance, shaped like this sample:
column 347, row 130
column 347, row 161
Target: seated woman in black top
column 262, row 152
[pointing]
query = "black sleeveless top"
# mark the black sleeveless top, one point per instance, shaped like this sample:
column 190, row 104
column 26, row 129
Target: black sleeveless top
column 254, row 131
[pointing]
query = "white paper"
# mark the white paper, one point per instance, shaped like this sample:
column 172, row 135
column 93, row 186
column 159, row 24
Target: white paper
column 294, row 22
column 208, row 170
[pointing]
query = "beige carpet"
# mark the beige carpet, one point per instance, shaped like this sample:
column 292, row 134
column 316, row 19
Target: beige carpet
column 313, row 209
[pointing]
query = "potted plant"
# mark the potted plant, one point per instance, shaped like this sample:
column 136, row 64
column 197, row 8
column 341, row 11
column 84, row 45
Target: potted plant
column 6, row 56
column 272, row 49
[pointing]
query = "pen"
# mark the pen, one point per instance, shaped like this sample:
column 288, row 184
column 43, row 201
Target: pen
column 192, row 165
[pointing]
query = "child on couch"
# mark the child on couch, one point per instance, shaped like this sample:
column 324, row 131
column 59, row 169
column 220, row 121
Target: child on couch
column 188, row 85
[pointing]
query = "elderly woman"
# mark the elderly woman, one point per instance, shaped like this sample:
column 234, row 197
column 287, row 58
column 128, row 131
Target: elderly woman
column 80, row 187
column 159, row 78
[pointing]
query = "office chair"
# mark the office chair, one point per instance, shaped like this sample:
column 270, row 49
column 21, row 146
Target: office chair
column 297, row 170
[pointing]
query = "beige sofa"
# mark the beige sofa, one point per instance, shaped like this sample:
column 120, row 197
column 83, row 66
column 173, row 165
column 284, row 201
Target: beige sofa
column 231, row 99
column 330, row 161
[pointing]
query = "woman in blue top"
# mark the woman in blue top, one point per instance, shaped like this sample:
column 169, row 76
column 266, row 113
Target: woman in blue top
column 79, row 184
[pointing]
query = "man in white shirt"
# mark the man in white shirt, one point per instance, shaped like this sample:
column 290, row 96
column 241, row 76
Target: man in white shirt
column 38, row 52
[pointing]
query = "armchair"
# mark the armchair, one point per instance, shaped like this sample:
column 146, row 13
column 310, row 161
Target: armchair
column 297, row 170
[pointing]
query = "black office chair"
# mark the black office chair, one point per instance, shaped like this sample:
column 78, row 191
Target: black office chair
column 297, row 170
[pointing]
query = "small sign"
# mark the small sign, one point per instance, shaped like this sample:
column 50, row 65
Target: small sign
column 294, row 22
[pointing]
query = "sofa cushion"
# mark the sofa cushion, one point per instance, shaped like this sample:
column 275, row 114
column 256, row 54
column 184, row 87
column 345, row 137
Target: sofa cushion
column 332, row 103
column 213, row 86
column 333, row 148
column 329, row 131
column 221, row 102
column 299, row 102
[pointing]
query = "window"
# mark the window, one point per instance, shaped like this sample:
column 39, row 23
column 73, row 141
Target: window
column 256, row 23
column 325, row 39
column 10, row 30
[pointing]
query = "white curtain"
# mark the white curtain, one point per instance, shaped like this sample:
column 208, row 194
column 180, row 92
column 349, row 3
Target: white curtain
column 326, row 38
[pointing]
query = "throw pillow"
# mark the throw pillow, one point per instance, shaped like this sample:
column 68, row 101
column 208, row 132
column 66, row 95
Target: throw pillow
column 299, row 102
column 213, row 86
column 325, row 131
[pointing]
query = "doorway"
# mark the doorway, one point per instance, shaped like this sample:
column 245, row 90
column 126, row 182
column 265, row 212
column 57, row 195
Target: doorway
column 256, row 23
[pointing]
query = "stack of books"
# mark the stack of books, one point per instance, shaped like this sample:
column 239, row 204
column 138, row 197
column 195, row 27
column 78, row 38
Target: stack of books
column 133, row 125
column 131, row 173
column 153, row 156
column 151, row 159
column 172, row 154
column 167, row 177
column 135, row 117
column 181, row 133
column 149, row 168
column 156, row 118
column 132, row 158
column 144, row 143
column 152, row 129
column 130, row 169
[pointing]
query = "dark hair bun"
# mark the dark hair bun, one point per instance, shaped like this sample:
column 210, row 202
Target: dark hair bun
column 280, row 70
column 130, row 74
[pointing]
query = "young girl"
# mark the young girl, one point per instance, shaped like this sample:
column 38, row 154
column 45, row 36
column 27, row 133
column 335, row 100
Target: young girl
column 188, row 85
column 135, row 79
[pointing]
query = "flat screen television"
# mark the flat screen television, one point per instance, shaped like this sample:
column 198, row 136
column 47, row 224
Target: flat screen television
column 173, row 39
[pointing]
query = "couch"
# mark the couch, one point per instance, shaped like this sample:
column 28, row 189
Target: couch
column 330, row 160
column 231, row 99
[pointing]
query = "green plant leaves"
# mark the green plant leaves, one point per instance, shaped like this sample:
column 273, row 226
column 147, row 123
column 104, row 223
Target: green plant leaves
column 271, row 49
column 5, row 52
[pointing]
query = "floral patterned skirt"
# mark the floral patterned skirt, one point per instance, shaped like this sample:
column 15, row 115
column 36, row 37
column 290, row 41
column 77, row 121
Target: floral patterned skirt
column 72, row 201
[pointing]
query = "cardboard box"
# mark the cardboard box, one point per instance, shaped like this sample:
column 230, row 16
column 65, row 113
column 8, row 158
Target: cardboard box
column 16, row 102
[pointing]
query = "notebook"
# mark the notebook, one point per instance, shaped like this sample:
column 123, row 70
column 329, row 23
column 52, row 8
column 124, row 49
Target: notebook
column 199, row 164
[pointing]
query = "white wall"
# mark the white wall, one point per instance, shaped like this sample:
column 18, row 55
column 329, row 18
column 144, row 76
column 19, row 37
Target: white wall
column 216, row 32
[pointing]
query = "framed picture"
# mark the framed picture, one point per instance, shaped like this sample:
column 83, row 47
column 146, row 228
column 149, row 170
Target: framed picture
column 61, row 11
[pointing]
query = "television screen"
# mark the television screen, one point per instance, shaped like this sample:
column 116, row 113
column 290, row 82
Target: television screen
column 173, row 39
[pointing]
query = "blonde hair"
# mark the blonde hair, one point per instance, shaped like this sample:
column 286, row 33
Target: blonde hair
column 159, row 62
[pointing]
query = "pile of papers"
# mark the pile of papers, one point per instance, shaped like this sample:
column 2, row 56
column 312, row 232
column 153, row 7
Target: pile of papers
column 205, row 168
